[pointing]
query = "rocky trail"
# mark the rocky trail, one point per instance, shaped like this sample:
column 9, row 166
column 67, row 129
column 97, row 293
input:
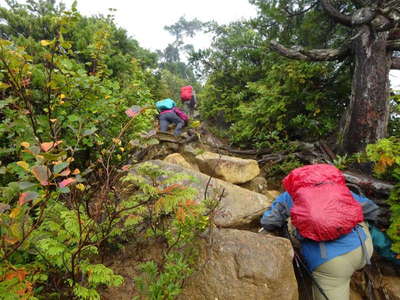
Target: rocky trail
column 237, row 262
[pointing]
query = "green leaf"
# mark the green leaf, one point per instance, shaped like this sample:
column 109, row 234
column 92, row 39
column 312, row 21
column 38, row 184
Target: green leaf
column 26, row 185
column 89, row 131
column 6, row 102
column 27, row 197
column 59, row 167
column 73, row 118
column 53, row 156
column 66, row 45
column 64, row 190
column 42, row 174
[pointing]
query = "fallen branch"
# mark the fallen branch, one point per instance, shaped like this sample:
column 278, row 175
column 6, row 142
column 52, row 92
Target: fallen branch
column 246, row 152
column 325, row 148
column 368, row 183
column 274, row 158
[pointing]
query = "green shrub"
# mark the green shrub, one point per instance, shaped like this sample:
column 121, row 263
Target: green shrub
column 64, row 137
column 385, row 154
column 174, row 218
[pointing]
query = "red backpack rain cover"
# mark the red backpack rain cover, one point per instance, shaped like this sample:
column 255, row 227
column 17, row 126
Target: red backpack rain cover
column 323, row 207
column 186, row 93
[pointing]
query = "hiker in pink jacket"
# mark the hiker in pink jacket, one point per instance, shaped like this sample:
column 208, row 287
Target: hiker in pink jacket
column 170, row 114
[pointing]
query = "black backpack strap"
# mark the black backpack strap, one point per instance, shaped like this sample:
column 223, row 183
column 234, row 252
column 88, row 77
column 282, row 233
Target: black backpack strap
column 299, row 262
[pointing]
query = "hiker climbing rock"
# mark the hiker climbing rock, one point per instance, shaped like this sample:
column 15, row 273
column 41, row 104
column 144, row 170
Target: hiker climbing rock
column 188, row 97
column 170, row 114
column 331, row 225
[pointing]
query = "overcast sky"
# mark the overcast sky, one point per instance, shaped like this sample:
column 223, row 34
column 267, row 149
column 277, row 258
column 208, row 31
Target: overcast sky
column 395, row 79
column 145, row 19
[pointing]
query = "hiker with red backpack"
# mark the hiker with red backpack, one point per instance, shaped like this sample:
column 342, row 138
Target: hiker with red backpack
column 330, row 223
column 170, row 114
column 188, row 97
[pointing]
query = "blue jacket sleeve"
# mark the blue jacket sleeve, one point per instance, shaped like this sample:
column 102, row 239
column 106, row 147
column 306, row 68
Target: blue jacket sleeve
column 370, row 209
column 276, row 216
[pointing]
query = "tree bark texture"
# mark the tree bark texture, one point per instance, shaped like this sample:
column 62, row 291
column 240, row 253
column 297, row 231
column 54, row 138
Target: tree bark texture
column 375, row 38
column 367, row 115
column 395, row 63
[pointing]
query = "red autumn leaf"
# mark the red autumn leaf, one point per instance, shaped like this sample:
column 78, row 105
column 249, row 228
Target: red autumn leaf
column 9, row 240
column 26, row 197
column 10, row 275
column 181, row 215
column 130, row 113
column 170, row 188
column 26, row 291
column 25, row 82
column 126, row 167
column 41, row 173
column 49, row 145
column 29, row 286
column 66, row 182
column 66, row 172
column 21, row 292
column 190, row 203
column 19, row 273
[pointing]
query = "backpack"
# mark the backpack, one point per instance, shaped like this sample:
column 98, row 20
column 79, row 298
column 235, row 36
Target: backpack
column 323, row 206
column 165, row 104
column 181, row 114
column 186, row 93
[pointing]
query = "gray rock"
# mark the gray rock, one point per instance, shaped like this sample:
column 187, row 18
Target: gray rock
column 242, row 265
column 238, row 206
column 228, row 168
column 178, row 159
column 258, row 184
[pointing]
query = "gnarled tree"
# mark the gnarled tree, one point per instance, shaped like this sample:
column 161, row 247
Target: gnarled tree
column 374, row 38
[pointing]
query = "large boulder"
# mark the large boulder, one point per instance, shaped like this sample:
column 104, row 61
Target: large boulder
column 241, row 265
column 228, row 168
column 258, row 184
column 178, row 159
column 272, row 193
column 238, row 207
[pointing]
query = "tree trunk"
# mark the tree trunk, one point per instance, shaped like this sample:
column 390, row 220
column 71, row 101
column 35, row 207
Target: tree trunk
column 367, row 116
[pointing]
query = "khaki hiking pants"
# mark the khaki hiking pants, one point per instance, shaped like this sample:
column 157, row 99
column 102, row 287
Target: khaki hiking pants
column 334, row 275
